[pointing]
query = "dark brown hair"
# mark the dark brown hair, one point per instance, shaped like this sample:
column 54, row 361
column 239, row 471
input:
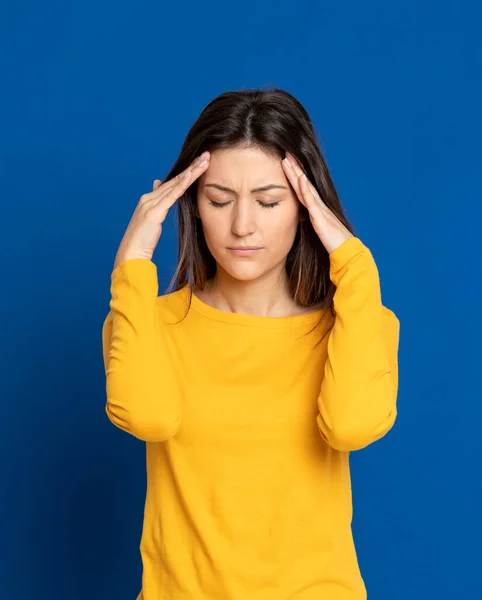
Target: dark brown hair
column 274, row 121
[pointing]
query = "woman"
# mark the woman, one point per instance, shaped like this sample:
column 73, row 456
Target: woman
column 253, row 380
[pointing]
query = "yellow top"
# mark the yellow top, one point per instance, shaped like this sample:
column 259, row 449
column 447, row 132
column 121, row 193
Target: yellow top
column 248, row 428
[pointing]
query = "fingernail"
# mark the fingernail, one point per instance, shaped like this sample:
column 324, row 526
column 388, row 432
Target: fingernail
column 287, row 161
column 202, row 163
column 204, row 155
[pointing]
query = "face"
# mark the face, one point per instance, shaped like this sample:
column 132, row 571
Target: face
column 233, row 213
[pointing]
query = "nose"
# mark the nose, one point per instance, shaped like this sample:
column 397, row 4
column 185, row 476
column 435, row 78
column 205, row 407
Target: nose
column 243, row 223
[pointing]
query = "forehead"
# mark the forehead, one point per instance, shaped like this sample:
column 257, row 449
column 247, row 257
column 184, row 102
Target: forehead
column 246, row 162
column 243, row 167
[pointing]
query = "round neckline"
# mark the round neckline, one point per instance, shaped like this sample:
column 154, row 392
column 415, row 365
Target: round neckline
column 225, row 316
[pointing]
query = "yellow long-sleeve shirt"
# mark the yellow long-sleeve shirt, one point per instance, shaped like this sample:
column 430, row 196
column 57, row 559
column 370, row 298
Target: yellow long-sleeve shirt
column 248, row 429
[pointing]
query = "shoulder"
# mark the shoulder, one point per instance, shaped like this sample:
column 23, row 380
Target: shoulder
column 172, row 307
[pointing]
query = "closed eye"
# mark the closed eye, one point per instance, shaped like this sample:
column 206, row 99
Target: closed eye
column 263, row 204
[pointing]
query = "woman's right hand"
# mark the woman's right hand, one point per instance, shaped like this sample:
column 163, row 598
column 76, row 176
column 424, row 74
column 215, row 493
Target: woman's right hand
column 145, row 227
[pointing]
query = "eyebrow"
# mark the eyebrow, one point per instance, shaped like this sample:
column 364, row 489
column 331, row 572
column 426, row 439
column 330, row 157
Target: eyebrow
column 264, row 188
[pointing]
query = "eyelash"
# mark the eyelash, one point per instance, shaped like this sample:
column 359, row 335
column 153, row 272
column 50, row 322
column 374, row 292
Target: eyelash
column 221, row 204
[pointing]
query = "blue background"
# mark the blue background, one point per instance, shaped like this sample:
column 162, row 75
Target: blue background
column 96, row 100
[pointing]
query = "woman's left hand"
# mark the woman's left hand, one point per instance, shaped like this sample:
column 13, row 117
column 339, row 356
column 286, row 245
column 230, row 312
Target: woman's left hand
column 328, row 227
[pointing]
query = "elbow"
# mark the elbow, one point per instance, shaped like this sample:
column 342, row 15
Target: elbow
column 155, row 431
column 357, row 418
column 142, row 426
column 349, row 436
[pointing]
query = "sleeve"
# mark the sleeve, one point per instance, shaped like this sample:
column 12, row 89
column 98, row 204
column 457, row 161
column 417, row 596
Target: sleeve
column 358, row 395
column 143, row 392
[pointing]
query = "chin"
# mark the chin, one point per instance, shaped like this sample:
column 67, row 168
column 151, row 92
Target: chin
column 242, row 269
column 246, row 272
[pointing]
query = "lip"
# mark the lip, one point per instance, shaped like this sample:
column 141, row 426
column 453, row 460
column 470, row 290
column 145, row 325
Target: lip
column 244, row 250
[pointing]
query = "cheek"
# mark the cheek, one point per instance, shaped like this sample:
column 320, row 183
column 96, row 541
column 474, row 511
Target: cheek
column 215, row 229
column 280, row 233
column 213, row 225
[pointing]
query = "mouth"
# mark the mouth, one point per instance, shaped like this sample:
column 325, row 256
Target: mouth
column 244, row 250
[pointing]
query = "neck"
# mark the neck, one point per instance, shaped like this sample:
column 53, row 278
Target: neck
column 267, row 296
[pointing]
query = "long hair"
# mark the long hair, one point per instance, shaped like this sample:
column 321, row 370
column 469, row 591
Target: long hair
column 274, row 121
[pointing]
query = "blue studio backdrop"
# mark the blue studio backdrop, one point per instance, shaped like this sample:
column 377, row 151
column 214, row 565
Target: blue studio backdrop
column 96, row 101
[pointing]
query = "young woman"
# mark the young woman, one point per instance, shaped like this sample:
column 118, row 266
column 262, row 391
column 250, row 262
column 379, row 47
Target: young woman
column 252, row 381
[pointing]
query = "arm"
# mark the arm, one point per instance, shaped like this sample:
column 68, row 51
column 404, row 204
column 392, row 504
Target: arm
column 357, row 400
column 143, row 395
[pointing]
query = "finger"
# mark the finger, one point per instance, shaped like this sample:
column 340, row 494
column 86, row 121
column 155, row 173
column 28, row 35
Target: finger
column 187, row 177
column 161, row 190
column 176, row 181
column 173, row 193
column 148, row 197
column 308, row 197
column 199, row 163
column 289, row 169
column 308, row 191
